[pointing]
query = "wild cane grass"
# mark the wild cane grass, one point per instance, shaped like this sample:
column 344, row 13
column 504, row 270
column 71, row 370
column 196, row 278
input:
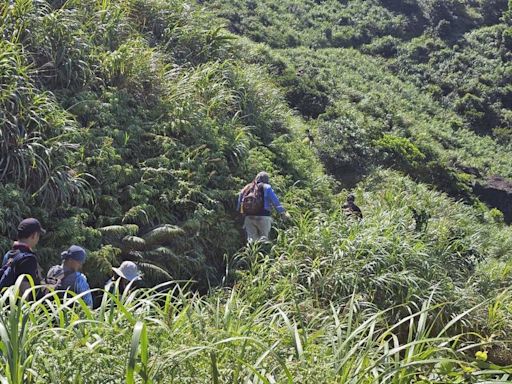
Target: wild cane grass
column 175, row 336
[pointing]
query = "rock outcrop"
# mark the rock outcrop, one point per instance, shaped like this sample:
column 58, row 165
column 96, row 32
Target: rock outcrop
column 496, row 192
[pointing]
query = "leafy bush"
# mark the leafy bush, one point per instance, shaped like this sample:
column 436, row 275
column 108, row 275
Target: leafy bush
column 400, row 152
column 345, row 148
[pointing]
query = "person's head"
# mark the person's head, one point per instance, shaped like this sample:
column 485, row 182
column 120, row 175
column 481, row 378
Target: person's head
column 307, row 132
column 262, row 177
column 74, row 257
column 128, row 271
column 30, row 231
column 351, row 198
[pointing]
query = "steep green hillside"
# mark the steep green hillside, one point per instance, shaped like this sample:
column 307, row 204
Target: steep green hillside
column 472, row 77
column 332, row 23
column 421, row 86
column 129, row 126
column 375, row 118
column 129, row 129
column 457, row 51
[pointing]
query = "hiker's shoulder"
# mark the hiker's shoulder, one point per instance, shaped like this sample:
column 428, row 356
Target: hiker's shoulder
column 10, row 254
column 27, row 264
column 25, row 256
column 81, row 277
column 81, row 282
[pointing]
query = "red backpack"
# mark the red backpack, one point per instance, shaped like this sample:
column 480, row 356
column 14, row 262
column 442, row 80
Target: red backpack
column 252, row 199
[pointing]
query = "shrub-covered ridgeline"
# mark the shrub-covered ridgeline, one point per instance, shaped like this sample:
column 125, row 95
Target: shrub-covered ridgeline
column 128, row 127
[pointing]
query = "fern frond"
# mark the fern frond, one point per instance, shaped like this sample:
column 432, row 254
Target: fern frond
column 163, row 234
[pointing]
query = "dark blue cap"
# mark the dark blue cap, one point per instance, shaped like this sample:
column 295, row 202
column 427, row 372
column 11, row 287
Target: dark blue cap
column 74, row 252
column 28, row 227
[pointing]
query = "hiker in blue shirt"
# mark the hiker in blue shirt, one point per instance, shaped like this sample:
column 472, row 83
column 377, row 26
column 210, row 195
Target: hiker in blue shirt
column 67, row 276
column 255, row 202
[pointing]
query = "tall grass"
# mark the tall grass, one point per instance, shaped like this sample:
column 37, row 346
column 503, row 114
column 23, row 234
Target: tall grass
column 169, row 335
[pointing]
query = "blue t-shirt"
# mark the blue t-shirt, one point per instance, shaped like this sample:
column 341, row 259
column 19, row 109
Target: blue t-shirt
column 80, row 282
column 81, row 286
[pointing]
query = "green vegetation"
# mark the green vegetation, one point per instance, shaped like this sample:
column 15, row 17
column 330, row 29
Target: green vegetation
column 128, row 127
column 457, row 51
column 128, row 120
column 188, row 339
column 368, row 103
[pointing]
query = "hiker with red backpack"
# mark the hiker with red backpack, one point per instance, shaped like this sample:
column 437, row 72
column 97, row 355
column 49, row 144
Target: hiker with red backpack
column 21, row 259
column 255, row 202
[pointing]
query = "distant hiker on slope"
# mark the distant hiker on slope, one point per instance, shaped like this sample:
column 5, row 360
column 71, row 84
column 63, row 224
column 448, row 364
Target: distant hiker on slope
column 351, row 209
column 67, row 276
column 421, row 218
column 255, row 202
column 21, row 259
column 309, row 139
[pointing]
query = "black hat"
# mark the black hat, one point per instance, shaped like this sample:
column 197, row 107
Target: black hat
column 28, row 227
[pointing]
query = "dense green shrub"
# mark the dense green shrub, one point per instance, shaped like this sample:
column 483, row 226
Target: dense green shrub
column 400, row 152
column 345, row 147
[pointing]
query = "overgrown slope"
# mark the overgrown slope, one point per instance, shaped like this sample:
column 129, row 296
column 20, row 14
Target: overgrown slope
column 129, row 126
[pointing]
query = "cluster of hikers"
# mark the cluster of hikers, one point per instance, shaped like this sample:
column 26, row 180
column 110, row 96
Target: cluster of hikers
column 22, row 260
column 255, row 202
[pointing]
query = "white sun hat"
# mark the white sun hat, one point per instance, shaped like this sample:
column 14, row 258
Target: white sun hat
column 128, row 270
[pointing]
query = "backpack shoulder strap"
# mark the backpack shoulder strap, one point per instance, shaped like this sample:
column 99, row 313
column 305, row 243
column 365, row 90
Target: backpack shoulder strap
column 71, row 274
column 262, row 188
column 8, row 271
column 20, row 256
column 248, row 188
column 11, row 255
